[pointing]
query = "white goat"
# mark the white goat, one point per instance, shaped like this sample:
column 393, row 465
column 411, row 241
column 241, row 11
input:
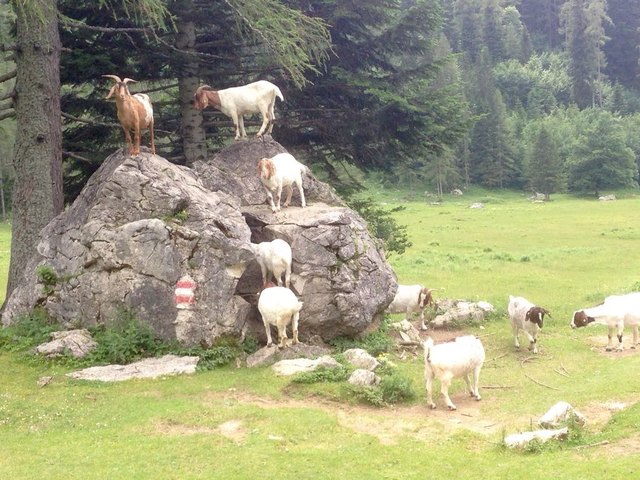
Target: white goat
column 274, row 257
column 134, row 113
column 234, row 102
column 279, row 172
column 616, row 312
column 461, row 358
column 409, row 299
column 279, row 306
column 527, row 317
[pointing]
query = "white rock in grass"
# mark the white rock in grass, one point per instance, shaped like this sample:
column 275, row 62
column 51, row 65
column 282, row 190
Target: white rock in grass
column 361, row 358
column 521, row 440
column 561, row 413
column 301, row 365
column 363, row 377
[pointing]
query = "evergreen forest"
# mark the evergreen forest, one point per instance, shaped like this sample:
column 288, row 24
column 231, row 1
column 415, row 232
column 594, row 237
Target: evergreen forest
column 535, row 95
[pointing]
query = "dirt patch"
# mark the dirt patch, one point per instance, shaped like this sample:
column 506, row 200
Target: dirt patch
column 233, row 430
column 626, row 446
column 599, row 343
column 387, row 425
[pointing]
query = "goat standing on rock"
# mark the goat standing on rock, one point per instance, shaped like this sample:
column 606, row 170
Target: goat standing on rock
column 234, row 102
column 275, row 258
column 278, row 172
column 134, row 113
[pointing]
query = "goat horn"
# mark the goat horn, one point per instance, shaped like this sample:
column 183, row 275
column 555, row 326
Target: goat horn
column 114, row 77
column 127, row 80
column 205, row 87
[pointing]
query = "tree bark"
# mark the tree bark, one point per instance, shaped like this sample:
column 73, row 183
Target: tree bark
column 37, row 155
column 193, row 135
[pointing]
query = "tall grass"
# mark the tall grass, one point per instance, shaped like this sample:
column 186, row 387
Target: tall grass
column 562, row 254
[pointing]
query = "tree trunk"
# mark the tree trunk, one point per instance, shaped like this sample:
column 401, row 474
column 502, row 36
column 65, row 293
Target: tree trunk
column 37, row 155
column 193, row 134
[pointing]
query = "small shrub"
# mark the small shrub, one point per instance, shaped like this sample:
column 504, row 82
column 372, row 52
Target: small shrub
column 250, row 344
column 47, row 277
column 126, row 341
column 375, row 343
column 27, row 331
column 323, row 375
column 371, row 395
column 224, row 350
column 396, row 388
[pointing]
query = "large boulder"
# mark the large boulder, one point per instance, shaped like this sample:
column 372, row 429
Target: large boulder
column 143, row 229
column 139, row 225
column 339, row 271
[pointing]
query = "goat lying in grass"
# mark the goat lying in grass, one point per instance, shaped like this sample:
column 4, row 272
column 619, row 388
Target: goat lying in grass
column 461, row 358
column 279, row 172
column 280, row 307
column 257, row 97
column 134, row 113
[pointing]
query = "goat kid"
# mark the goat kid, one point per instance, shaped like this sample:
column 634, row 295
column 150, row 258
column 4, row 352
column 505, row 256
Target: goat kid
column 257, row 97
column 280, row 307
column 274, row 257
column 527, row 317
column 463, row 357
column 135, row 112
column 616, row 312
column 279, row 172
column 410, row 299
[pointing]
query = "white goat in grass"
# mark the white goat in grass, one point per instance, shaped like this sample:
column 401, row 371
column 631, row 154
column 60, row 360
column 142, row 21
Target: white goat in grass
column 461, row 358
column 257, row 97
column 279, row 306
column 409, row 299
column 274, row 257
column 527, row 317
column 278, row 172
column 616, row 312
column 134, row 113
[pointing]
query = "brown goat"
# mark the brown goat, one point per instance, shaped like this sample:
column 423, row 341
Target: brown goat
column 134, row 113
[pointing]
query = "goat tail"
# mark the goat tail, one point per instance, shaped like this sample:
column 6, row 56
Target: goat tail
column 428, row 345
column 279, row 93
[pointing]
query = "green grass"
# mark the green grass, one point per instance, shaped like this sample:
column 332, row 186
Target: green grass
column 563, row 254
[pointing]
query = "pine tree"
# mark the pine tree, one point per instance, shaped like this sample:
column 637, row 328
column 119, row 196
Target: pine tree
column 37, row 156
column 544, row 165
column 583, row 24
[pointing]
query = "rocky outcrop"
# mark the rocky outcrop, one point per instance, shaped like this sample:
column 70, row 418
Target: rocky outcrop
column 339, row 271
column 171, row 246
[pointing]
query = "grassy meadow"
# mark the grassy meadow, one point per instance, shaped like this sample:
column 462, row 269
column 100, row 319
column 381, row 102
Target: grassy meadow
column 237, row 423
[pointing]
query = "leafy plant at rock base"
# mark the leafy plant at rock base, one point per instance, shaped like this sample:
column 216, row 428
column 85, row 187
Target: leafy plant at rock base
column 126, row 341
column 27, row 331
column 375, row 342
column 323, row 375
